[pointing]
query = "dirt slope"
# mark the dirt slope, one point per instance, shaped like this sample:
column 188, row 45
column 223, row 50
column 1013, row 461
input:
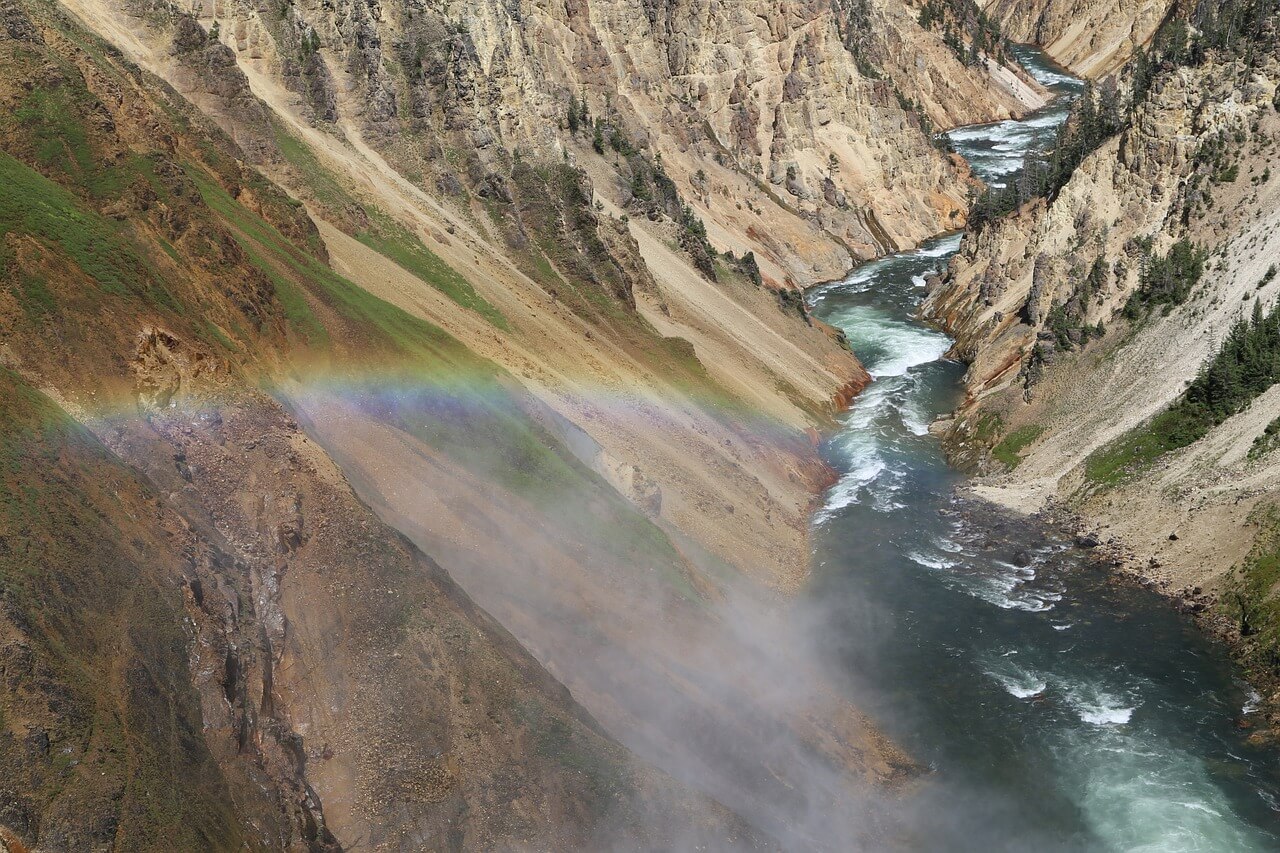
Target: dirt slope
column 209, row 641
column 529, row 299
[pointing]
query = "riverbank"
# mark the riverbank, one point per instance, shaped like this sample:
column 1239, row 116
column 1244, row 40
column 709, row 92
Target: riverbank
column 1210, row 610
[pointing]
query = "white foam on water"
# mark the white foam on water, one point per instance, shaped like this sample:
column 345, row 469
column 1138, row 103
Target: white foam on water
column 1105, row 715
column 948, row 545
column 1097, row 706
column 1140, row 793
column 916, row 426
column 1046, row 120
column 848, row 490
column 915, row 421
column 1017, row 682
column 930, row 561
column 948, row 245
column 997, row 165
column 1026, row 602
column 917, row 347
column 1047, row 77
column 1091, row 702
column 857, row 444
column 1136, row 791
column 1023, row 689
column 1025, row 573
column 981, row 132
column 871, row 404
column 1006, row 589
column 887, row 346
column 884, row 502
column 1200, row 807
column 886, row 489
column 858, row 281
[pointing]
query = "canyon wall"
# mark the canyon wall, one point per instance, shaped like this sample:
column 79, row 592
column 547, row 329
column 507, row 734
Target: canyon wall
column 208, row 641
column 1092, row 38
column 396, row 394
column 1085, row 317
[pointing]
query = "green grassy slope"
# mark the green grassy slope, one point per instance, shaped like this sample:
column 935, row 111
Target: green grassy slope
column 100, row 728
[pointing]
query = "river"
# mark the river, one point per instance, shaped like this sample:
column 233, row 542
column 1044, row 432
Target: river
column 1057, row 707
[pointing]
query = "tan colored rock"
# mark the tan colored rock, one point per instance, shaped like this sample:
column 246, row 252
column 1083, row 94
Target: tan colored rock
column 1091, row 37
column 1137, row 186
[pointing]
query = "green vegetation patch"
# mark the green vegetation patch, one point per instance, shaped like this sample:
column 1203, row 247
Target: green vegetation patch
column 555, row 210
column 436, row 389
column 34, row 296
column 1167, row 281
column 52, row 118
column 320, row 181
column 1267, row 442
column 292, row 270
column 1095, row 117
column 261, row 241
column 1008, row 450
column 32, row 204
column 1254, row 599
column 394, row 242
column 603, row 767
column 988, row 427
column 1137, row 449
column 90, row 585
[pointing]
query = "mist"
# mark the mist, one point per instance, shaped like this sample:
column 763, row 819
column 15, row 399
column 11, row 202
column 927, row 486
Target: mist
column 738, row 691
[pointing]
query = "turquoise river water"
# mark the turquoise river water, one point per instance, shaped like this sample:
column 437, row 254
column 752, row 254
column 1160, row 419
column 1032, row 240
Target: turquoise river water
column 1059, row 709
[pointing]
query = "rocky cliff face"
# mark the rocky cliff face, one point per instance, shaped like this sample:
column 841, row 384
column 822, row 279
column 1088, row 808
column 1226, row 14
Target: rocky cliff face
column 523, row 316
column 348, row 301
column 1092, row 38
column 782, row 123
column 792, row 134
column 207, row 640
column 1073, row 346
column 998, row 296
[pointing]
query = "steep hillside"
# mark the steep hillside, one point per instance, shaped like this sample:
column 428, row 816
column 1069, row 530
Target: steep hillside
column 1114, row 362
column 239, row 672
column 101, row 735
column 209, row 641
column 787, row 120
column 331, row 305
column 590, row 281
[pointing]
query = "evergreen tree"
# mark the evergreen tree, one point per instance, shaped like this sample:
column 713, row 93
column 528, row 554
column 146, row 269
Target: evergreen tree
column 574, row 123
